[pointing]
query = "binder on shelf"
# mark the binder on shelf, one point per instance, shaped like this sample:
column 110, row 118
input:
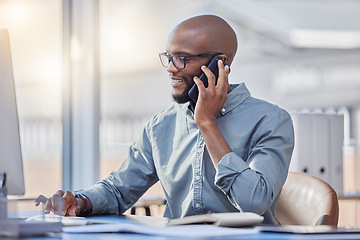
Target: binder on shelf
column 321, row 146
column 302, row 156
column 318, row 147
column 336, row 152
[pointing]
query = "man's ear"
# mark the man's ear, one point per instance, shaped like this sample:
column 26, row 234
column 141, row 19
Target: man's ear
column 224, row 58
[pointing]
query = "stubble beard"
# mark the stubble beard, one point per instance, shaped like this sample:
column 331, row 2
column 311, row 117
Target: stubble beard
column 183, row 97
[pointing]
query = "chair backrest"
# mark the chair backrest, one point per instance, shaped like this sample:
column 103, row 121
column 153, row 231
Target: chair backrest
column 307, row 200
column 152, row 206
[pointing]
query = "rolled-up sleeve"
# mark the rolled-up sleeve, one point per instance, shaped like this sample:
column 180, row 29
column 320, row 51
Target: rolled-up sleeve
column 252, row 184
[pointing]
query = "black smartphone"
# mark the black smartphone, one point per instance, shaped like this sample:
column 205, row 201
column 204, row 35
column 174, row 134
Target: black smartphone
column 213, row 66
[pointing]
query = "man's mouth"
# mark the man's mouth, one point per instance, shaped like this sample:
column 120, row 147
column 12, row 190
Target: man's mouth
column 177, row 80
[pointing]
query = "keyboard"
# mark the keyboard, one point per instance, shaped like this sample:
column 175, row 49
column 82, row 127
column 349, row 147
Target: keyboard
column 65, row 220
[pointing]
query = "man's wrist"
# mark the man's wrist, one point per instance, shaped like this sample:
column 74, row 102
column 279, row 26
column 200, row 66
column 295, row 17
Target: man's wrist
column 84, row 208
column 207, row 125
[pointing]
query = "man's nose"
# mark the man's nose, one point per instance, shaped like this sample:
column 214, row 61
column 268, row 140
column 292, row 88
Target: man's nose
column 171, row 68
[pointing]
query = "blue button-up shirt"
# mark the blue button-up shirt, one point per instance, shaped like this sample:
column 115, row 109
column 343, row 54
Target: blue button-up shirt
column 172, row 150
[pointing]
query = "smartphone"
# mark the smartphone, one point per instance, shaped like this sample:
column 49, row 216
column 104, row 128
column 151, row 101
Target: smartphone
column 213, row 66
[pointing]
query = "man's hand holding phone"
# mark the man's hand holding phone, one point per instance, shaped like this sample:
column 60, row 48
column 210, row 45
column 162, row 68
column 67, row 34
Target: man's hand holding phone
column 211, row 99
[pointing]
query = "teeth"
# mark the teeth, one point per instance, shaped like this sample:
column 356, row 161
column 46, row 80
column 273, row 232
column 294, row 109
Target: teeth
column 176, row 81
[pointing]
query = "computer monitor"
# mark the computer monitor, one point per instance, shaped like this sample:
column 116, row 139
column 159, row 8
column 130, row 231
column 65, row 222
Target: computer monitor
column 10, row 148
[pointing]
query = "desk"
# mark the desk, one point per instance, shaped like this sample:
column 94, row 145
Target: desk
column 349, row 214
column 121, row 236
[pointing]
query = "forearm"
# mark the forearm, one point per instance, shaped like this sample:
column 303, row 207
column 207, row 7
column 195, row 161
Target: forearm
column 215, row 141
column 122, row 188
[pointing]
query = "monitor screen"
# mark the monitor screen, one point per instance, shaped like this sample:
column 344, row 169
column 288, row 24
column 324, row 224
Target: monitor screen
column 10, row 148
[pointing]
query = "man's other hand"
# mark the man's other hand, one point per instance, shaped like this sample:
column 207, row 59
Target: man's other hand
column 61, row 203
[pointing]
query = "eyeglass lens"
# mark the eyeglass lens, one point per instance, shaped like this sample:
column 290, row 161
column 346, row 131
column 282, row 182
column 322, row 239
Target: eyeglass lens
column 164, row 60
column 178, row 61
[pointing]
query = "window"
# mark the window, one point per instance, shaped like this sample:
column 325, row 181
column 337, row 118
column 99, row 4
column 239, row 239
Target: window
column 134, row 85
column 35, row 37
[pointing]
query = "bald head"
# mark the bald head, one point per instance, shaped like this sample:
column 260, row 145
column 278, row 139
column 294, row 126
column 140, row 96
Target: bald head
column 207, row 33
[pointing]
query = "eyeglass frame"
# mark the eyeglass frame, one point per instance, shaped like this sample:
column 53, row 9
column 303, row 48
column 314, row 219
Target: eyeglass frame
column 183, row 58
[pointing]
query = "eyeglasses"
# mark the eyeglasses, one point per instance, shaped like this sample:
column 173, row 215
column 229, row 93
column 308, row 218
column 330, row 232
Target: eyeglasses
column 179, row 61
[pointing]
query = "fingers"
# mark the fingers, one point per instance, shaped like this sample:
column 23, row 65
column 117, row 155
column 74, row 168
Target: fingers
column 61, row 203
column 68, row 196
column 40, row 199
column 59, row 193
column 222, row 83
column 48, row 206
column 75, row 211
column 71, row 206
column 52, row 204
column 57, row 203
column 199, row 84
column 211, row 80
column 223, row 75
column 210, row 77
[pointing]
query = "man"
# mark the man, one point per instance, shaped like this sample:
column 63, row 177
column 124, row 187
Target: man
column 227, row 152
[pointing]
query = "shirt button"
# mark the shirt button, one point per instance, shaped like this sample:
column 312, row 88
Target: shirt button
column 197, row 205
column 199, row 151
column 223, row 110
column 197, row 177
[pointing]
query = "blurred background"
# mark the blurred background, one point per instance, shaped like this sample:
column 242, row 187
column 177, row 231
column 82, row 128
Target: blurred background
column 90, row 70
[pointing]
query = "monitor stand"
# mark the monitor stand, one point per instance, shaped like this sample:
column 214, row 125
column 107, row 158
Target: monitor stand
column 19, row 228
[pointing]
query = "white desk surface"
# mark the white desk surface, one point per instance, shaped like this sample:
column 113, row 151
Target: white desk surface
column 122, row 219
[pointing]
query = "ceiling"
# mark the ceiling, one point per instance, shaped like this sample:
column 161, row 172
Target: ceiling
column 332, row 24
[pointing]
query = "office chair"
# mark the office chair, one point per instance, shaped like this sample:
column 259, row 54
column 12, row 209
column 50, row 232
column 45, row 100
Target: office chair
column 146, row 204
column 307, row 200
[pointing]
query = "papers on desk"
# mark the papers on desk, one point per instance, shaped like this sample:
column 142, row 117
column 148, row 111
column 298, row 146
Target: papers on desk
column 174, row 231
column 160, row 227
column 191, row 226
column 213, row 224
column 229, row 219
column 301, row 229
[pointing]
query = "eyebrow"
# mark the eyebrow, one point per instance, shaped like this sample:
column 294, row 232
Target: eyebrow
column 181, row 53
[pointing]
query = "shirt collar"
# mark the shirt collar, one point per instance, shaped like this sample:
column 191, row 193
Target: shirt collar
column 239, row 93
